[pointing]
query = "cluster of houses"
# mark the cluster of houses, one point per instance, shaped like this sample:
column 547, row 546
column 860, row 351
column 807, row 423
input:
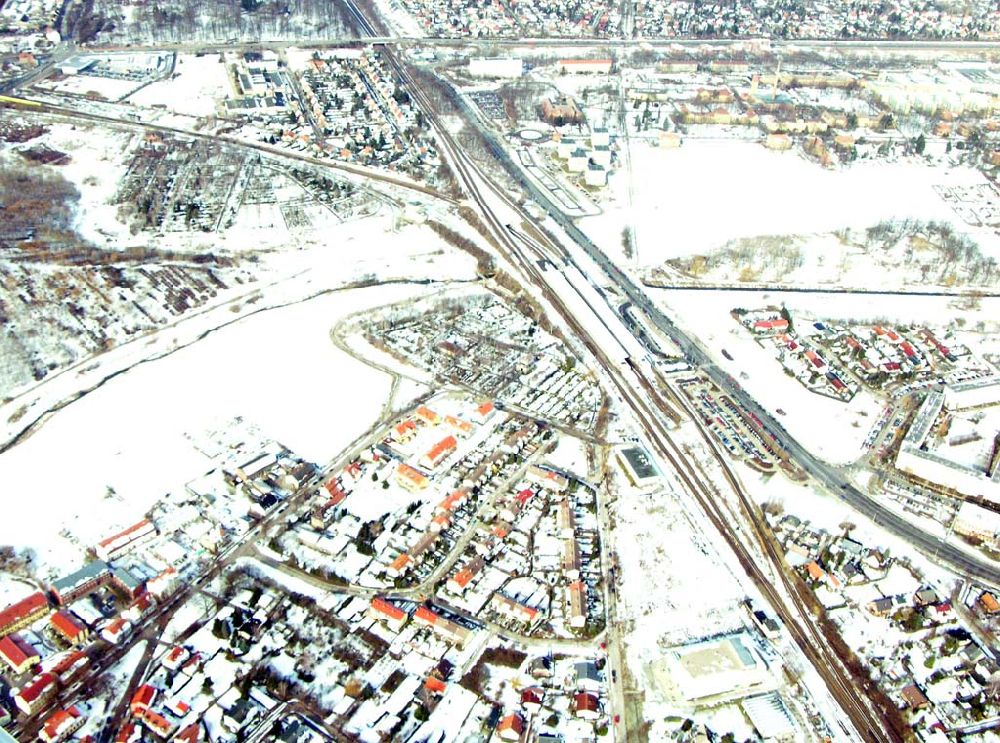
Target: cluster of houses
column 467, row 502
column 883, row 356
column 45, row 634
column 925, row 648
column 549, row 688
column 851, row 20
column 361, row 111
column 462, row 18
column 801, row 359
column 482, row 343
column 51, row 639
column 344, row 104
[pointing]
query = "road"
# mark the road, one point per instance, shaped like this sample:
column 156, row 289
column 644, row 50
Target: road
column 374, row 36
column 829, row 476
column 640, row 396
column 104, row 657
column 695, row 286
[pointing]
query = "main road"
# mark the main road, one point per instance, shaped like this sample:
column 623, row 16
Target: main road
column 548, row 266
column 831, row 477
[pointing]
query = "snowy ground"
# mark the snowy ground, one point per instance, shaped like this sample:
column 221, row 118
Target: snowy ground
column 195, row 88
column 693, row 199
column 112, row 89
column 845, row 425
column 98, row 158
column 278, row 369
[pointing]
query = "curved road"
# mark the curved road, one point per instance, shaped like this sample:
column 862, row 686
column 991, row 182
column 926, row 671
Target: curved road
column 829, row 476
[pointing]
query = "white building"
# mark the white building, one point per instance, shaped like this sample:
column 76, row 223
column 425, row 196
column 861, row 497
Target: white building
column 577, row 161
column 599, row 137
column 596, row 175
column 918, row 456
column 975, row 393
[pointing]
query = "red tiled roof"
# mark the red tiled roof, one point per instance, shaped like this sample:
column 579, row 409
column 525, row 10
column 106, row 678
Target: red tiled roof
column 426, row 615
column 67, row 625
column 190, row 734
column 125, row 732
column 142, row 698
column 385, row 608
column 128, row 533
column 36, row 687
column 513, row 722
column 586, row 701
column 445, row 445
column 434, row 684
column 67, row 662
column 16, row 650
column 55, row 724
column 23, row 608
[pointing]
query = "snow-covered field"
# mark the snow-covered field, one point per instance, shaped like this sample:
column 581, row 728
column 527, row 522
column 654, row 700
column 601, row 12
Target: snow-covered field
column 693, row 199
column 196, row 86
column 844, row 425
column 277, row 369
column 112, row 89
column 98, row 158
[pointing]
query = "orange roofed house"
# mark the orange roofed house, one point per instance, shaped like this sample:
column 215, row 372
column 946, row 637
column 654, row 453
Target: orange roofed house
column 391, row 614
column 125, row 541
column 62, row 725
column 439, row 452
column 404, row 430
column 410, row 478
column 989, row 603
column 70, row 628
column 460, row 427
column 427, row 415
column 511, row 727
column 445, row 628
column 484, row 412
column 36, row 694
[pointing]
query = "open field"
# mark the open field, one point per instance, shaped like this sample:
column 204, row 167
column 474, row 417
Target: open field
column 708, row 192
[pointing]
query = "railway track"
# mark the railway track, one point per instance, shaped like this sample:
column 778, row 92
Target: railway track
column 868, row 722
column 266, row 150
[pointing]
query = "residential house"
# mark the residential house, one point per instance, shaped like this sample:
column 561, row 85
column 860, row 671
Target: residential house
column 587, row 676
column 511, row 727
column 577, row 604
column 394, row 617
column 125, row 541
column 37, row 693
column 61, row 725
column 18, row 653
column 586, row 706
column 24, row 612
column 70, row 628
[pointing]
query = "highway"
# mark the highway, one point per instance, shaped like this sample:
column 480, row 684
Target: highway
column 373, row 36
column 828, row 475
column 541, row 262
